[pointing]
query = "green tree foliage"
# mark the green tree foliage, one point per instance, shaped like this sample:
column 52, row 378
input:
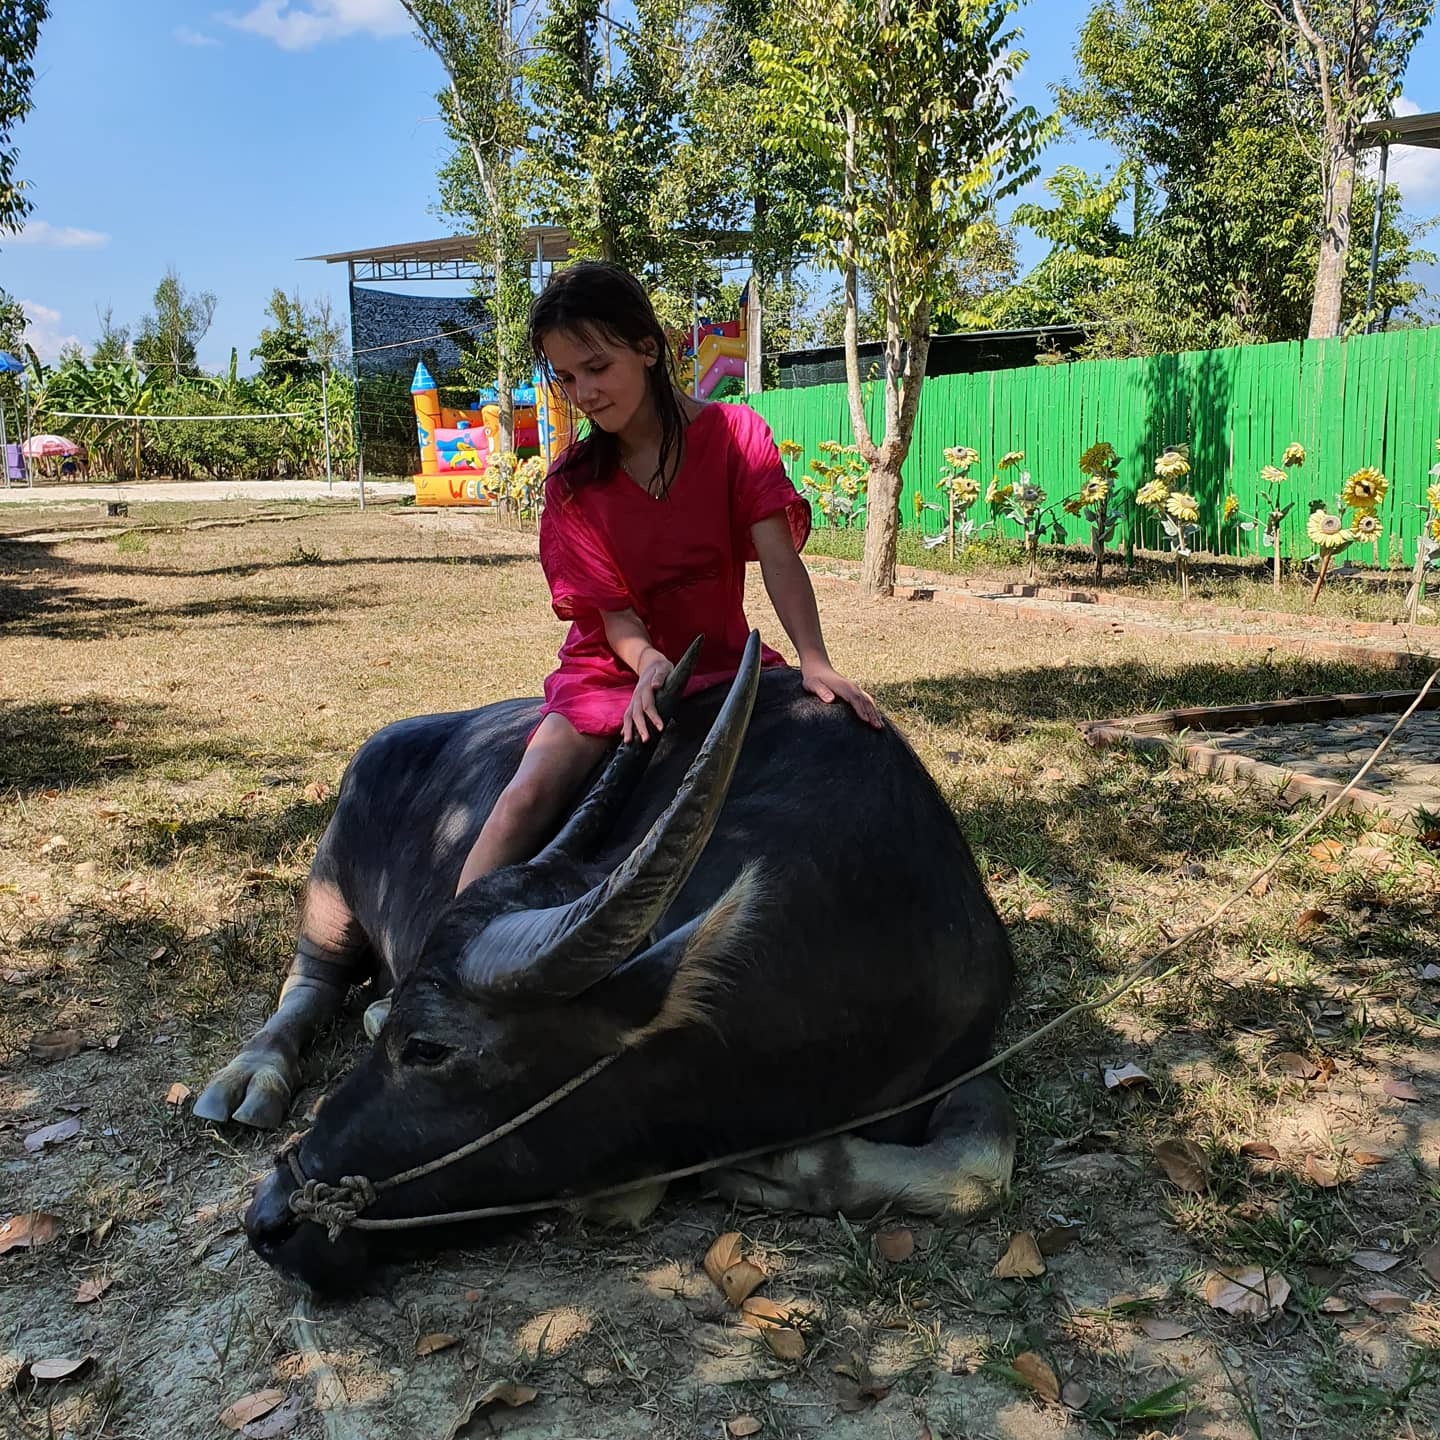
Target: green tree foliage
column 169, row 336
column 303, row 338
column 906, row 105
column 113, row 342
column 20, row 22
column 1344, row 62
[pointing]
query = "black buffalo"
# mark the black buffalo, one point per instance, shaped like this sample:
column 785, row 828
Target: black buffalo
column 772, row 922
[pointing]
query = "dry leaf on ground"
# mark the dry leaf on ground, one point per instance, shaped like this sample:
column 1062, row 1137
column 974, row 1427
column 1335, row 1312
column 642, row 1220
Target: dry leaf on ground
column 48, row 1371
column 91, row 1290
column 1259, row 1150
column 317, row 791
column 1125, row 1078
column 1183, row 1161
column 1037, row 1375
column 177, row 1094
column 1384, row 1302
column 1369, row 1157
column 1321, row 1172
column 1326, row 850
column 1401, row 1090
column 895, row 1246
column 1058, row 1238
column 1022, row 1259
column 502, row 1392
column 1300, row 1066
column 763, row 1313
column 743, row 1425
column 29, row 1231
column 436, row 1341
column 1074, row 1395
column 1335, row 1305
column 1040, row 910
column 1159, row 1329
column 721, row 1255
column 280, row 1421
column 1310, row 919
column 55, row 1134
column 1249, row 1291
column 250, row 1407
column 741, row 1281
column 784, row 1342
column 1430, row 1263
column 1375, row 1261
column 56, row 1045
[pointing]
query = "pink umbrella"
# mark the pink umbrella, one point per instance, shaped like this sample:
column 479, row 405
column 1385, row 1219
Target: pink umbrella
column 38, row 445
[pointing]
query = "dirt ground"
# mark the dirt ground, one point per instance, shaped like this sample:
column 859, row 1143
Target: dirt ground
column 180, row 695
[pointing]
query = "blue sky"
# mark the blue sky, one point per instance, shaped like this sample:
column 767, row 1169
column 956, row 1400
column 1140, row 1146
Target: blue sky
column 229, row 142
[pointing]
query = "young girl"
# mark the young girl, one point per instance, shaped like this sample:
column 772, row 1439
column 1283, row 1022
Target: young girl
column 648, row 523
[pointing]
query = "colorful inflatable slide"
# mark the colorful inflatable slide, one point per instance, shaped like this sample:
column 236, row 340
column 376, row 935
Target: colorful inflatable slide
column 721, row 357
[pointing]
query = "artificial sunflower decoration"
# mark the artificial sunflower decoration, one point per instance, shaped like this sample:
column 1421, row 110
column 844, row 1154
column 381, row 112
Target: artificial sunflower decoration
column 1328, row 533
column 1074, row 505
column 1272, row 475
column 960, row 457
column 1367, row 528
column 1432, row 497
column 1229, row 510
column 1182, row 507
column 1365, row 489
column 996, row 493
column 966, row 491
column 919, row 504
column 1294, row 455
column 1435, row 528
column 1099, row 461
column 1030, row 496
column 1172, row 464
column 1009, row 459
column 1153, row 494
column 790, row 449
column 1094, row 490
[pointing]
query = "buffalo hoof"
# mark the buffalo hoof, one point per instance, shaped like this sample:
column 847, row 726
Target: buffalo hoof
column 253, row 1089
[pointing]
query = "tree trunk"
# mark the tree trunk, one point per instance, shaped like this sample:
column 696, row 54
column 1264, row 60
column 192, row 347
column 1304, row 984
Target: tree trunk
column 1334, row 241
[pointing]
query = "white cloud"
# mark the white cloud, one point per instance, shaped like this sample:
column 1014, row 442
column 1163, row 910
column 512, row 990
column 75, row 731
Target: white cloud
column 43, row 331
column 1414, row 168
column 59, row 237
column 184, row 35
column 298, row 27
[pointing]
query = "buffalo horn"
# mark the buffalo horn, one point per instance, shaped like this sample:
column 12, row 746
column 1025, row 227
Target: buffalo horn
column 555, row 953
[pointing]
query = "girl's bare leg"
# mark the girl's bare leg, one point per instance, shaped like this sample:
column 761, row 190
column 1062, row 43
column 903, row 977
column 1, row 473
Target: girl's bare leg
column 555, row 764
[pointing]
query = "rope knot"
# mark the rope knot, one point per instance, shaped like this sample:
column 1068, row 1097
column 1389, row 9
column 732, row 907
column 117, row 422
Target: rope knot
column 333, row 1206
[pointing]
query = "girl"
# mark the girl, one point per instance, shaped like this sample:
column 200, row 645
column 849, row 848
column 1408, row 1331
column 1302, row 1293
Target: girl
column 648, row 523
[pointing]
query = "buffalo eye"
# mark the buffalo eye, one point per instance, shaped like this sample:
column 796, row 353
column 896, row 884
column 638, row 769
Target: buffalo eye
column 425, row 1052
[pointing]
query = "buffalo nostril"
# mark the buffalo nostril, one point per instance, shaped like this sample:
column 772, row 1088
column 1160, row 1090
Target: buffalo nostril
column 269, row 1220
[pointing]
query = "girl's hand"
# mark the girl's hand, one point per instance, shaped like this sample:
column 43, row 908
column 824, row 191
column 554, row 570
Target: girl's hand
column 823, row 681
column 653, row 674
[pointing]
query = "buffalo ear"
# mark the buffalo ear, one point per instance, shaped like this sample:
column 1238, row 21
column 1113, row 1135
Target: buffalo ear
column 697, row 956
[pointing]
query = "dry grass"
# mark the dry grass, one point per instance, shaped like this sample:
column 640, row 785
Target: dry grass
column 179, row 704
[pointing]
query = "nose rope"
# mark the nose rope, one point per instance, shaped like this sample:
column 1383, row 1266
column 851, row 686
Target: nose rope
column 339, row 1206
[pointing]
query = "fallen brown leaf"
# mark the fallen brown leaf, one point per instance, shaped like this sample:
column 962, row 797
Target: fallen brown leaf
column 250, row 1407
column 741, row 1281
column 760, row 1312
column 1160, row 1329
column 280, row 1421
column 91, row 1290
column 1327, row 850
column 55, row 1134
column 1311, row 919
column 434, row 1342
column 1377, row 1262
column 1429, row 1262
column 177, row 1094
column 1183, row 1161
column 1300, row 1066
column 1369, row 1157
column 721, row 1255
column 743, row 1425
column 47, row 1372
column 1058, row 1238
column 317, row 791
column 1321, row 1172
column 1040, row 910
column 1249, row 1291
column 56, row 1045
column 1335, row 1305
column 1074, row 1395
column 502, row 1392
column 1125, row 1078
column 895, row 1246
column 1037, row 1375
column 1401, row 1090
column 1384, row 1302
column 785, row 1342
column 100, row 1234
column 1259, row 1150
column 1022, row 1259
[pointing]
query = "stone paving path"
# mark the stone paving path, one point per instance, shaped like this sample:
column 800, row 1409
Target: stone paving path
column 1408, row 772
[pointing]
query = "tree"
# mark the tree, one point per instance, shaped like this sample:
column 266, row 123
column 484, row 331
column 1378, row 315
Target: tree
column 170, row 335
column 1345, row 60
column 113, row 343
column 20, row 22
column 475, row 43
column 907, row 104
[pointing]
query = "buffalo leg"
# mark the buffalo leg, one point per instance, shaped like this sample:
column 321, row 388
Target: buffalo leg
column 961, row 1168
column 256, row 1086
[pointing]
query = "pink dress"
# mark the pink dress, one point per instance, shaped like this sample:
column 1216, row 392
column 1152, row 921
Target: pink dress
column 678, row 562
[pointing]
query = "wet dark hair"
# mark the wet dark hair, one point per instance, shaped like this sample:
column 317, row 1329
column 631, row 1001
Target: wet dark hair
column 594, row 299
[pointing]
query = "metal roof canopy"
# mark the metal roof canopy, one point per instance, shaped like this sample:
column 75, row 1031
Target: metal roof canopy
column 455, row 257
column 1418, row 130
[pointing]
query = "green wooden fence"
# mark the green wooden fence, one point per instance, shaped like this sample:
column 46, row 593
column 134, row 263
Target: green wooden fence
column 1370, row 400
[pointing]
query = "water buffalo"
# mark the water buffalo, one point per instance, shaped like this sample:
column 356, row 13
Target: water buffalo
column 771, row 925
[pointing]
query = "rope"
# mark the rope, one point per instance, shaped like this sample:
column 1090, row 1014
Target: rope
column 90, row 415
column 340, row 1199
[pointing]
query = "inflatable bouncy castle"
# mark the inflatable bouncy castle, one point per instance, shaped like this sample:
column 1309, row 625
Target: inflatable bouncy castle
column 456, row 446
column 721, row 358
